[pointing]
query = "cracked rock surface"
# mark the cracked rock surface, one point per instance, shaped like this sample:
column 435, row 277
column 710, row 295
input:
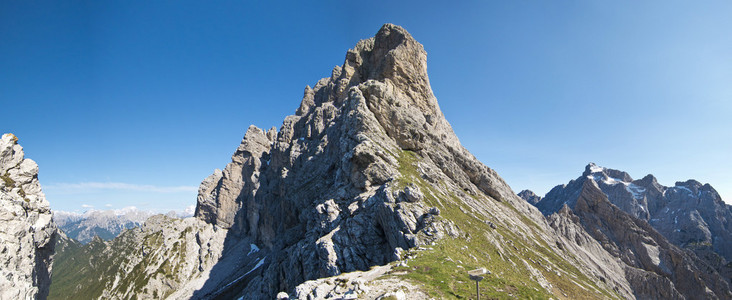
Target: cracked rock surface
column 27, row 232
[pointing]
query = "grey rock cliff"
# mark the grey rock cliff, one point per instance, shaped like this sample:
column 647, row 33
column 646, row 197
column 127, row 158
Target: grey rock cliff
column 320, row 192
column 337, row 188
column 590, row 252
column 27, row 233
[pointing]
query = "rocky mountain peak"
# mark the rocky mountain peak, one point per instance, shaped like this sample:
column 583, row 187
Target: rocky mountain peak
column 389, row 71
column 382, row 87
column 606, row 173
column 592, row 168
column 690, row 184
column 340, row 176
column 648, row 180
column 529, row 196
column 27, row 232
column 395, row 56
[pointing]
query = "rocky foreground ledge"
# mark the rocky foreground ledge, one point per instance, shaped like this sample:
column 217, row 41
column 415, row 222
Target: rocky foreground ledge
column 27, row 233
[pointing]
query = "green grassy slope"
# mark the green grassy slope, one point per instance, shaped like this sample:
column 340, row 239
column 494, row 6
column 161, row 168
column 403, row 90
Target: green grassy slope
column 509, row 253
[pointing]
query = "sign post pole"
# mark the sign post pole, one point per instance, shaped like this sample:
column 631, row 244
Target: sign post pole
column 476, row 276
column 477, row 289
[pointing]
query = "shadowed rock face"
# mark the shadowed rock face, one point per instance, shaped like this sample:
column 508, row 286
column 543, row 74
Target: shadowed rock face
column 27, row 233
column 632, row 221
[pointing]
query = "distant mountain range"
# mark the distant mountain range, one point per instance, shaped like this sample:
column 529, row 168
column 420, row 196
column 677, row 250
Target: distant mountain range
column 106, row 224
column 635, row 218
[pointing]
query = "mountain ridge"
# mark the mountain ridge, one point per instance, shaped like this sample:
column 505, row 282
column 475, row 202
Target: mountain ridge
column 605, row 200
column 107, row 224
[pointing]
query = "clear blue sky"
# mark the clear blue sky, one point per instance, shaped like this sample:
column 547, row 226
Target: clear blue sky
column 135, row 102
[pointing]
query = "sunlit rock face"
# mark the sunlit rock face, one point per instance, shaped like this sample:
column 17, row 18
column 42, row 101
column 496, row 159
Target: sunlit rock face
column 27, row 232
column 324, row 193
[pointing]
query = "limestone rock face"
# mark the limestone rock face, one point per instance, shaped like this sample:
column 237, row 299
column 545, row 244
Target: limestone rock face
column 630, row 219
column 337, row 188
column 27, row 232
column 220, row 195
column 590, row 252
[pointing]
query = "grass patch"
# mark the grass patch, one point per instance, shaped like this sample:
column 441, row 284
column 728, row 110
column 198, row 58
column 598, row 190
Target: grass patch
column 8, row 181
column 408, row 170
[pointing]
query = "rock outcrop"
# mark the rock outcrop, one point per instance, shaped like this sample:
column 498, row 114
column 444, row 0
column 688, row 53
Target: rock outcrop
column 371, row 284
column 321, row 192
column 626, row 218
column 529, row 196
column 27, row 232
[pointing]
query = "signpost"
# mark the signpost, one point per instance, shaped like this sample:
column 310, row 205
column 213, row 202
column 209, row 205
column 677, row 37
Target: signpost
column 476, row 275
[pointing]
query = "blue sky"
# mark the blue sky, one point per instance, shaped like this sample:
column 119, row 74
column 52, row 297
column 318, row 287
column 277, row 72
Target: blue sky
column 134, row 103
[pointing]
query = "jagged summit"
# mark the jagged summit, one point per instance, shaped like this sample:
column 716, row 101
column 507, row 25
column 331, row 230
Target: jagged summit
column 393, row 55
column 529, row 196
column 402, row 100
column 592, row 168
column 382, row 87
column 616, row 175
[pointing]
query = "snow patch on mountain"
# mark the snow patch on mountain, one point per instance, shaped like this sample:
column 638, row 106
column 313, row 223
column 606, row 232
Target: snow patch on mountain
column 636, row 190
column 595, row 168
